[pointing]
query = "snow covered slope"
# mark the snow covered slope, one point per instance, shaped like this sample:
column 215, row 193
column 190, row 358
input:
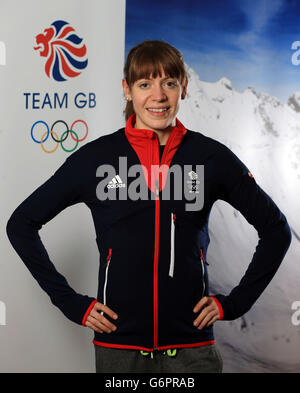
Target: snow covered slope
column 265, row 134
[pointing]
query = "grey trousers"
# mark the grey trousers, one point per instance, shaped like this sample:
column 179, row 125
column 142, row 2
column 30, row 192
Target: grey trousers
column 205, row 359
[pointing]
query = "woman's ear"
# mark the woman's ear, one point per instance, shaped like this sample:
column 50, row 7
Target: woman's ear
column 184, row 88
column 126, row 90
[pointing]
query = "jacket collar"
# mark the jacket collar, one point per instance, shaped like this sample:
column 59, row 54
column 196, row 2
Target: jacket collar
column 145, row 143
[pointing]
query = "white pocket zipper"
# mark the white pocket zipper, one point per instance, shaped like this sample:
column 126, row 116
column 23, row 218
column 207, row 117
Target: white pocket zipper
column 203, row 270
column 172, row 251
column 106, row 275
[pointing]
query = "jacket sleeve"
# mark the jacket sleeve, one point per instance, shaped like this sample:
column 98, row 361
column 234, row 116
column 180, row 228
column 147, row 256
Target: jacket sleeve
column 238, row 187
column 61, row 190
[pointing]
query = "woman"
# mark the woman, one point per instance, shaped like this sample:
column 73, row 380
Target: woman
column 154, row 311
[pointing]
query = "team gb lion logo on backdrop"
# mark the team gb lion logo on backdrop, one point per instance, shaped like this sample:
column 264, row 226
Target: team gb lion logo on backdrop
column 64, row 50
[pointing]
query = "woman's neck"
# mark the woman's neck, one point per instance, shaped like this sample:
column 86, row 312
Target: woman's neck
column 163, row 135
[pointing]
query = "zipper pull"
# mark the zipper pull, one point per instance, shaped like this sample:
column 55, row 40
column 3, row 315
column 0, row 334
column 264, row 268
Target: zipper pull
column 202, row 257
column 108, row 256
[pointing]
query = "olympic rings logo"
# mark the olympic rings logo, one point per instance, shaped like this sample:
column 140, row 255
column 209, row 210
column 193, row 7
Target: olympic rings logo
column 55, row 137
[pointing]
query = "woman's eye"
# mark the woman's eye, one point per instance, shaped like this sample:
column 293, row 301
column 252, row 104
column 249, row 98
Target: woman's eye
column 171, row 83
column 168, row 84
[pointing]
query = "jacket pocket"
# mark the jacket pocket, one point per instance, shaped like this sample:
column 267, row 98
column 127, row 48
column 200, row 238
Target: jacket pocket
column 108, row 260
column 203, row 262
column 172, row 249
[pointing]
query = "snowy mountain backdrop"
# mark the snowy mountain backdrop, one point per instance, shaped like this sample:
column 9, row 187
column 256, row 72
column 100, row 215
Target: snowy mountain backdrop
column 265, row 134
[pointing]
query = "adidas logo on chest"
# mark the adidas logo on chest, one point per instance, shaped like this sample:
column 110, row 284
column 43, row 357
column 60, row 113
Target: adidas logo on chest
column 116, row 182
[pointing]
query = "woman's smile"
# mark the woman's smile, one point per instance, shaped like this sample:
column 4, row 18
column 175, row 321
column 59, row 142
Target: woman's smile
column 158, row 112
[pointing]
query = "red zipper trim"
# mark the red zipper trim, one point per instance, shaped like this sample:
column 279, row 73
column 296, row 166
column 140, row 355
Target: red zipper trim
column 155, row 149
column 155, row 272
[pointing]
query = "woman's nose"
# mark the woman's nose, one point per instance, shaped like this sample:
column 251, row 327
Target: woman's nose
column 158, row 93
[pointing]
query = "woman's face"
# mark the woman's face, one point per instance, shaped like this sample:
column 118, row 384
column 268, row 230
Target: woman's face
column 155, row 101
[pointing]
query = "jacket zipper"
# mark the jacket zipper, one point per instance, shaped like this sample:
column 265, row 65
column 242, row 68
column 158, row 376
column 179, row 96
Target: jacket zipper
column 108, row 259
column 154, row 145
column 203, row 261
column 155, row 282
column 172, row 256
column 202, row 257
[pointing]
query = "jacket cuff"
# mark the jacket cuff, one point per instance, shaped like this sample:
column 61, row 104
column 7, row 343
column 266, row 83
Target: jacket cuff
column 75, row 306
column 219, row 305
column 87, row 313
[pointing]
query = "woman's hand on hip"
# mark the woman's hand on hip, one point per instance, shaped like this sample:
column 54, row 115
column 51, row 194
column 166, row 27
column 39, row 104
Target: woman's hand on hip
column 209, row 312
column 98, row 322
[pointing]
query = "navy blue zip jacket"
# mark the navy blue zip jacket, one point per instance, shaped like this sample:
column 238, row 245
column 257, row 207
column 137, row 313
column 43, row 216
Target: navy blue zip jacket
column 152, row 268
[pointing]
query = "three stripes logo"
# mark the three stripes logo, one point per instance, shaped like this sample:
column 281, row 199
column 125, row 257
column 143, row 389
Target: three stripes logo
column 116, row 182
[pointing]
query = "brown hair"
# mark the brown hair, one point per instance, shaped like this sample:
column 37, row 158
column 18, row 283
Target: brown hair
column 149, row 58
